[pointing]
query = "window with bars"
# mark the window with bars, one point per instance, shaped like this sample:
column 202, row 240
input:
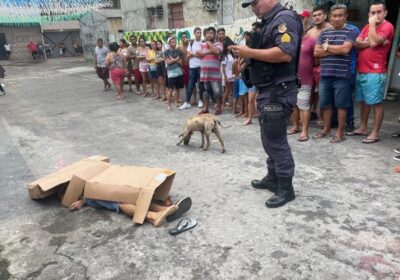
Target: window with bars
column 227, row 11
column 175, row 16
column 153, row 15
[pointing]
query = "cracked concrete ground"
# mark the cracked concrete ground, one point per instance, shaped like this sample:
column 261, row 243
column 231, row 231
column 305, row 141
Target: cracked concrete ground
column 344, row 224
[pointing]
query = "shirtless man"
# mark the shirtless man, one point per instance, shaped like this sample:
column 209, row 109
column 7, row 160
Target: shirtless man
column 319, row 16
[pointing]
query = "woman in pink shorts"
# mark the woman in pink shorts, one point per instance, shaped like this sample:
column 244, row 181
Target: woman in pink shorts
column 142, row 51
column 116, row 63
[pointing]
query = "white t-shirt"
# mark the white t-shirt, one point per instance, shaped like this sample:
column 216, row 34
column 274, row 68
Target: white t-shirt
column 101, row 54
column 194, row 62
column 7, row 47
column 228, row 63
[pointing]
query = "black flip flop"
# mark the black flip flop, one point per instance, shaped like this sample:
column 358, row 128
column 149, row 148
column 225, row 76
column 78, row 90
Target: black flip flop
column 183, row 206
column 396, row 134
column 183, row 225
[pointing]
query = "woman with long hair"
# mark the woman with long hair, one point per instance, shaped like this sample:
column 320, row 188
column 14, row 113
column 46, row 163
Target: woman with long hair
column 151, row 58
column 160, row 70
column 115, row 61
column 227, row 61
column 142, row 51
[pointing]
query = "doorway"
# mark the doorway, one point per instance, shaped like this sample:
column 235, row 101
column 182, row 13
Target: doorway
column 2, row 49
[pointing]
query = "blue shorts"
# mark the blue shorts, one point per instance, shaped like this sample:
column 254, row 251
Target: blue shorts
column 370, row 88
column 334, row 91
column 236, row 85
column 110, row 205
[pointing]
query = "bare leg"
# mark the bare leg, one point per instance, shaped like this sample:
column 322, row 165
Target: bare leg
column 251, row 107
column 305, row 121
column 294, row 119
column 365, row 109
column 245, row 105
column 169, row 93
column 378, row 118
column 156, row 215
column 327, row 120
column 342, row 113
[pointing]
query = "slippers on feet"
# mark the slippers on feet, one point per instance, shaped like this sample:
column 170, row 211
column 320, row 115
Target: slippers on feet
column 293, row 131
column 183, row 225
column 320, row 135
column 303, row 139
column 336, row 139
column 184, row 205
column 396, row 134
column 370, row 141
column 354, row 133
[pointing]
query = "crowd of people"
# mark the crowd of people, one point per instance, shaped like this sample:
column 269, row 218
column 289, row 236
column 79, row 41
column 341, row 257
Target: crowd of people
column 338, row 64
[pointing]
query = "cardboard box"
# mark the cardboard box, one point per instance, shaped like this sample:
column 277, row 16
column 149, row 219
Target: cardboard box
column 131, row 184
column 85, row 168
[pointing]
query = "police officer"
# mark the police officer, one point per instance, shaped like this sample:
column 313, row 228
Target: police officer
column 272, row 67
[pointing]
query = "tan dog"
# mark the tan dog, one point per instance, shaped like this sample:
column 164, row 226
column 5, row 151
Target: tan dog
column 205, row 123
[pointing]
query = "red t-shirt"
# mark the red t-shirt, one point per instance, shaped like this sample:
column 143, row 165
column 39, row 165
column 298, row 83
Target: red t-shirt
column 374, row 60
column 307, row 61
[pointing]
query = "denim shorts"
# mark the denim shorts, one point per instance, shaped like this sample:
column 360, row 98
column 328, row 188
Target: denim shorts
column 334, row 91
column 370, row 88
column 110, row 205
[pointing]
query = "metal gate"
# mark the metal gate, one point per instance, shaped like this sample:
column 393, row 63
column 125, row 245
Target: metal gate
column 53, row 40
column 227, row 11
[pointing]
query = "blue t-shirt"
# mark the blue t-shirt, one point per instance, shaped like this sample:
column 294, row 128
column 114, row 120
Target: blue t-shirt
column 337, row 66
column 353, row 54
column 173, row 70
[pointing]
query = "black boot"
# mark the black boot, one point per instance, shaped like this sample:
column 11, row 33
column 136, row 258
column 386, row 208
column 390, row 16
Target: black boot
column 285, row 193
column 269, row 182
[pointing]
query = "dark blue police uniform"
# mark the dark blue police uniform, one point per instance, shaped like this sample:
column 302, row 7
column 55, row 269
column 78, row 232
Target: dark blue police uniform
column 280, row 28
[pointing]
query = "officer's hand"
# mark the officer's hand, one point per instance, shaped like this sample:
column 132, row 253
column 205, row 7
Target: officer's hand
column 241, row 51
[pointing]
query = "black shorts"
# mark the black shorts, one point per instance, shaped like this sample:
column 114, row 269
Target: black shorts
column 176, row 82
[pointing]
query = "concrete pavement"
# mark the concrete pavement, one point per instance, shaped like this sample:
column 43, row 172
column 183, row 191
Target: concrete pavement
column 344, row 224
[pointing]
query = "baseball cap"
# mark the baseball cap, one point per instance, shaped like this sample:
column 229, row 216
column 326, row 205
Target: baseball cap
column 305, row 14
column 246, row 3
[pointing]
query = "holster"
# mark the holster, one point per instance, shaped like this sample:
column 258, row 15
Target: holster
column 273, row 120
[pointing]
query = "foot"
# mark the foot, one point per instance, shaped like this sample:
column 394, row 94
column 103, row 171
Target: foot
column 217, row 111
column 247, row 122
column 303, row 138
column 203, row 112
column 293, row 130
column 284, row 194
column 185, row 105
column 321, row 135
column 337, row 139
column 160, row 217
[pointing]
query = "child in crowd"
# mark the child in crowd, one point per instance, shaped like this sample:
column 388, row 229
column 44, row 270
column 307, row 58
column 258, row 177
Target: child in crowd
column 228, row 76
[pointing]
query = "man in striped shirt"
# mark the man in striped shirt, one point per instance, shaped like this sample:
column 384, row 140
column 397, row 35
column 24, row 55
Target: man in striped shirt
column 333, row 48
column 210, row 70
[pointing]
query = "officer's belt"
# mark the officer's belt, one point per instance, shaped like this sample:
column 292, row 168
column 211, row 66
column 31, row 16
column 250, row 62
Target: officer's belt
column 275, row 90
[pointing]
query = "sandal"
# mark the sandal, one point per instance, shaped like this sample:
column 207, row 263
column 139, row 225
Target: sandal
column 183, row 225
column 184, row 205
column 354, row 133
column 303, row 139
column 320, row 135
column 293, row 131
column 396, row 134
column 336, row 139
column 370, row 141
column 203, row 112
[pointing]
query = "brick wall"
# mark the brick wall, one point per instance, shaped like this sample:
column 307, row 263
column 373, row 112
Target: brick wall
column 19, row 38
